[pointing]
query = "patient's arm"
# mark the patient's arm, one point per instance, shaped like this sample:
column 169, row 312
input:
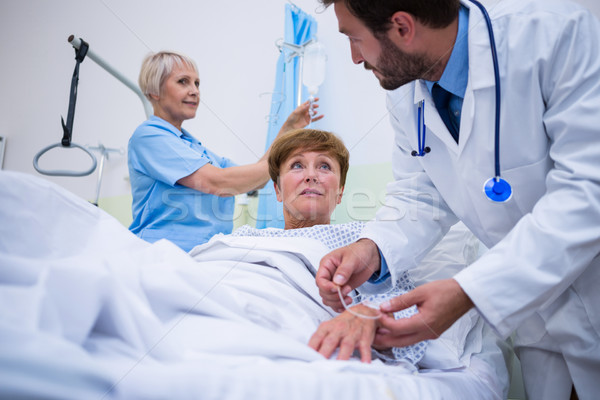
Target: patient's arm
column 347, row 332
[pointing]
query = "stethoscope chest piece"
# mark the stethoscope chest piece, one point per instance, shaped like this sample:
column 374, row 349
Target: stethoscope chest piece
column 497, row 190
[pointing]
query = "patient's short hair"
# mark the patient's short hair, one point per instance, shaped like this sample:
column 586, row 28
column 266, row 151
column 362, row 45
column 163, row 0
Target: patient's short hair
column 301, row 140
column 156, row 67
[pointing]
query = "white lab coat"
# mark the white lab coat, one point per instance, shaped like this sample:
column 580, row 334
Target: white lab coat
column 542, row 272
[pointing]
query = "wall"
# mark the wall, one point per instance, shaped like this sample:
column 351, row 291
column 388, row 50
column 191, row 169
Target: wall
column 233, row 44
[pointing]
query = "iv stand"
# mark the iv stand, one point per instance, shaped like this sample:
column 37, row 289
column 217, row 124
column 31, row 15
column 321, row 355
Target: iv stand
column 296, row 51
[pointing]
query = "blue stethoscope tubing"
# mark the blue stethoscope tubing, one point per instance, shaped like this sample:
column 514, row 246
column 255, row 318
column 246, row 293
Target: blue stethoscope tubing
column 422, row 129
column 496, row 188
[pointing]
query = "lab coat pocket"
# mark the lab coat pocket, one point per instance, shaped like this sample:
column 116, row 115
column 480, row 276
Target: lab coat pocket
column 531, row 331
column 528, row 183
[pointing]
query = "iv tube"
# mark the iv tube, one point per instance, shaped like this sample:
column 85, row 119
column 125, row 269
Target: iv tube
column 351, row 311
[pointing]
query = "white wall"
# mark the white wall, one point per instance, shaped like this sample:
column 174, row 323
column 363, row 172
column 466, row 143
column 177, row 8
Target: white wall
column 233, row 44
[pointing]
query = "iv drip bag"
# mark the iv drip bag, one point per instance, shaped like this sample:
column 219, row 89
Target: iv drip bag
column 313, row 70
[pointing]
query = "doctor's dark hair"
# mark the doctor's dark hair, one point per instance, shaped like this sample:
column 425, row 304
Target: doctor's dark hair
column 377, row 14
column 156, row 67
column 302, row 140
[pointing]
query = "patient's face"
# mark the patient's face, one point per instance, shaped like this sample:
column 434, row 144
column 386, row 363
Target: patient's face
column 309, row 187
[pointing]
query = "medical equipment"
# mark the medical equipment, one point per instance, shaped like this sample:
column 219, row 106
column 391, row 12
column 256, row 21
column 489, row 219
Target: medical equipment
column 77, row 43
column 104, row 154
column 313, row 70
column 357, row 314
column 422, row 128
column 315, row 73
column 81, row 51
column 80, row 54
column 496, row 188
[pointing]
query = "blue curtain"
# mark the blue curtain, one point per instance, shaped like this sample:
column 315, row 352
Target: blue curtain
column 299, row 28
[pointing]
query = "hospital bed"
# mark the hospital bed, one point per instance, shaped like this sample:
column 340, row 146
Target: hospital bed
column 88, row 310
column 364, row 194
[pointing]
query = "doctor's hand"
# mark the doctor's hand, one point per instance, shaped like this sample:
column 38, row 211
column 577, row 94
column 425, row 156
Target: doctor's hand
column 347, row 332
column 347, row 267
column 303, row 115
column 440, row 304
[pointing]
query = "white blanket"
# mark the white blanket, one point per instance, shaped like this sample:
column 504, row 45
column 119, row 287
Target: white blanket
column 88, row 310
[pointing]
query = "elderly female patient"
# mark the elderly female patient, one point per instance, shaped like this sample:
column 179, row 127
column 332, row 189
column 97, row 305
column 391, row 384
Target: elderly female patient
column 308, row 168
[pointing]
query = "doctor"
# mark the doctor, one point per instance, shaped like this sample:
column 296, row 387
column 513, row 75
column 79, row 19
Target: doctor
column 541, row 276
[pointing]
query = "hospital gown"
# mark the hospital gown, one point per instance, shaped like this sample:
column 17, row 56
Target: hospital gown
column 339, row 235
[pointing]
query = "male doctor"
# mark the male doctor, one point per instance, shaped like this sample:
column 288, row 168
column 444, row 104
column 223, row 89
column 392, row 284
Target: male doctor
column 541, row 276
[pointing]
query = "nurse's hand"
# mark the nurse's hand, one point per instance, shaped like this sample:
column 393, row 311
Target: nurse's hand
column 303, row 115
column 440, row 304
column 347, row 332
column 347, row 267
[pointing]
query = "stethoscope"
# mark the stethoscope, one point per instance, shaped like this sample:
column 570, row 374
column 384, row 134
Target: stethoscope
column 495, row 188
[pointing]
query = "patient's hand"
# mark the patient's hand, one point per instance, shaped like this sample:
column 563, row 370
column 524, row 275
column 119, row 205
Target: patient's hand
column 347, row 332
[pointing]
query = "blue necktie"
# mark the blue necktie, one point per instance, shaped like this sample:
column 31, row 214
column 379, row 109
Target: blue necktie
column 441, row 98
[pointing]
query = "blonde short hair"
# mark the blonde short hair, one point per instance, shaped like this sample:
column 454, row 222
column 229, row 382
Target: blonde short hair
column 156, row 67
column 289, row 143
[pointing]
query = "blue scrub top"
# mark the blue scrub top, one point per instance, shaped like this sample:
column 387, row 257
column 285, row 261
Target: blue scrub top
column 158, row 156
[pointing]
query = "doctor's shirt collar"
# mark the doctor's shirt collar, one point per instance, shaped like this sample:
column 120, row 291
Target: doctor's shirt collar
column 456, row 74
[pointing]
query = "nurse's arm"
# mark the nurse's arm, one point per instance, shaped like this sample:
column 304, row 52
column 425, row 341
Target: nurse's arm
column 227, row 181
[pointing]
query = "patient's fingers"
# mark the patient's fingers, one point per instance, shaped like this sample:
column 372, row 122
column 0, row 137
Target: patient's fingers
column 364, row 347
column 325, row 340
column 347, row 333
column 316, row 339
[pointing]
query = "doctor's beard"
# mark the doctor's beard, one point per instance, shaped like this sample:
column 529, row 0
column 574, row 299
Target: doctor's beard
column 396, row 68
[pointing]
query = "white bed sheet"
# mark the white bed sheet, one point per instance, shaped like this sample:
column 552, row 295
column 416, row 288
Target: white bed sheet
column 88, row 310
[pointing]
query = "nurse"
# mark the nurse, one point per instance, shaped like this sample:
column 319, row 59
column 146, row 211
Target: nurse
column 541, row 277
column 181, row 190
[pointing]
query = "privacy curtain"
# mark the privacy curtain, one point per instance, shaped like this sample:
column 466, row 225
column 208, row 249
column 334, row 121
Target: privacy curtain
column 299, row 28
